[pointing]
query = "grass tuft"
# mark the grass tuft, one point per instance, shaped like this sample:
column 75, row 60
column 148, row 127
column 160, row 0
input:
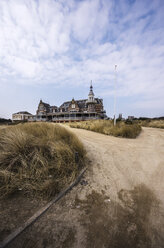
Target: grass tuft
column 38, row 159
column 106, row 127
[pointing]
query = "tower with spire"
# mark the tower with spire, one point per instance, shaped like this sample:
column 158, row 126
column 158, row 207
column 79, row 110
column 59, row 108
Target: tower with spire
column 91, row 100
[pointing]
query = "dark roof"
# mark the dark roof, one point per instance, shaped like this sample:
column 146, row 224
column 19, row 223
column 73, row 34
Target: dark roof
column 23, row 112
column 81, row 103
column 53, row 106
column 99, row 100
column 45, row 104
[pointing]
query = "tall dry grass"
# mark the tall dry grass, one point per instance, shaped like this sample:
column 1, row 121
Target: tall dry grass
column 106, row 127
column 38, row 159
column 151, row 123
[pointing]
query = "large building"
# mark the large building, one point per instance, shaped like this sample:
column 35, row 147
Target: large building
column 75, row 110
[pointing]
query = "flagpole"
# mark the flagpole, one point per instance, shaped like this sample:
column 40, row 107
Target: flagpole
column 115, row 95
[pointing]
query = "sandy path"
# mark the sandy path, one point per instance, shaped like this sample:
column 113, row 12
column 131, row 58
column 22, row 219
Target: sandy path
column 123, row 163
column 116, row 215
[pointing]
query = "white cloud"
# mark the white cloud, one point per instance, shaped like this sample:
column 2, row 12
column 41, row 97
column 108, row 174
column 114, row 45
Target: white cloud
column 72, row 42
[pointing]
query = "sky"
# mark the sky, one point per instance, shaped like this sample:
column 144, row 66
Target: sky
column 52, row 49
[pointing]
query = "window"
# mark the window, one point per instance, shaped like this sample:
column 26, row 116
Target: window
column 73, row 105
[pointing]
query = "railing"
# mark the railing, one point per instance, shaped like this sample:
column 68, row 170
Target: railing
column 74, row 118
column 65, row 118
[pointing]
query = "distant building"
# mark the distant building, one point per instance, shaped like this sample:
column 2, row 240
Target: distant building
column 120, row 116
column 21, row 116
column 74, row 110
column 131, row 118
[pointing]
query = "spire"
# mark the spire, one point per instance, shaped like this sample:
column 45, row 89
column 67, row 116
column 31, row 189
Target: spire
column 91, row 89
column 91, row 98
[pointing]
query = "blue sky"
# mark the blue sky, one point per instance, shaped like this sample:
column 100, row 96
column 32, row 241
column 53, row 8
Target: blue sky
column 51, row 50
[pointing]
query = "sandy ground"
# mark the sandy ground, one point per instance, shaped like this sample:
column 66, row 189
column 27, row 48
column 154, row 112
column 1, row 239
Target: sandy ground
column 119, row 203
column 123, row 163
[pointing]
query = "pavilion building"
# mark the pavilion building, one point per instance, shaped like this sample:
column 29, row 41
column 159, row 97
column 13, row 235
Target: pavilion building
column 74, row 110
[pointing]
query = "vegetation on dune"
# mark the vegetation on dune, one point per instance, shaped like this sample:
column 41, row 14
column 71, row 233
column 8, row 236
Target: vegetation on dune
column 5, row 121
column 151, row 123
column 38, row 159
column 106, row 127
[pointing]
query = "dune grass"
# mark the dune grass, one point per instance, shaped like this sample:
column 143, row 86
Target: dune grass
column 39, row 159
column 106, row 127
column 151, row 123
